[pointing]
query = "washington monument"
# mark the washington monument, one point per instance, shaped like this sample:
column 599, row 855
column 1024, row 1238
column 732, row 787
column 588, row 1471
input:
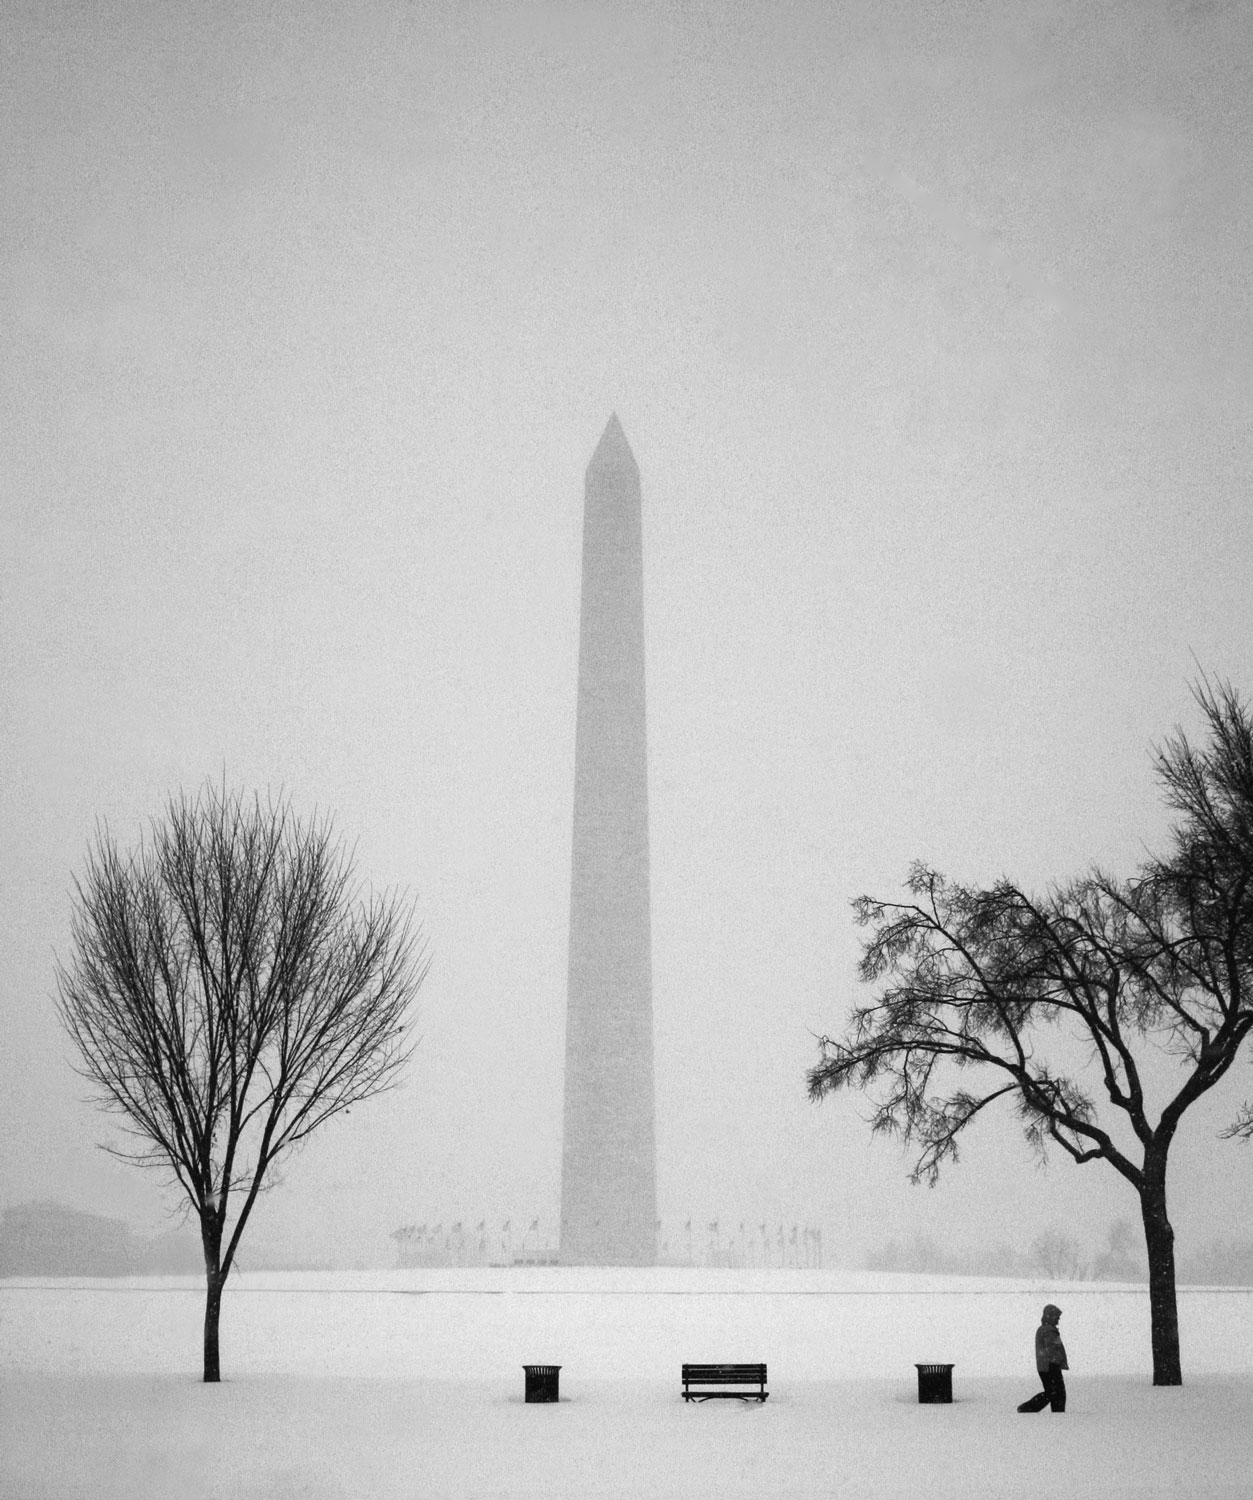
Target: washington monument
column 608, row 1166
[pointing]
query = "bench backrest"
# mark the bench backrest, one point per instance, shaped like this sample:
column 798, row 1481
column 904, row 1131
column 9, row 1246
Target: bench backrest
column 723, row 1374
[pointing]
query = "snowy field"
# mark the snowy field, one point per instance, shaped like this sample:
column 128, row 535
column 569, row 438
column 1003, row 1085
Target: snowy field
column 409, row 1384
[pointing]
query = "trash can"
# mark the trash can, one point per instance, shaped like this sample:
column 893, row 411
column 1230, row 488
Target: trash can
column 935, row 1383
column 541, row 1382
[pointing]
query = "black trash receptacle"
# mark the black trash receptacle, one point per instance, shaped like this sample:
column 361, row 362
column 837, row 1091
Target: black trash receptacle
column 541, row 1382
column 935, row 1383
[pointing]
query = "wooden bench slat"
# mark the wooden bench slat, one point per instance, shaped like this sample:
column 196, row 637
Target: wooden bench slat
column 706, row 1375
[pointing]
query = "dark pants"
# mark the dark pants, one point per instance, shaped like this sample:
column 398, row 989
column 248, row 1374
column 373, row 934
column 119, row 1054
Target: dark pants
column 1053, row 1394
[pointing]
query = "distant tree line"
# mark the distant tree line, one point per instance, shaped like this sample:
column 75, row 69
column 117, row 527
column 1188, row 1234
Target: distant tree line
column 52, row 1239
column 1053, row 1255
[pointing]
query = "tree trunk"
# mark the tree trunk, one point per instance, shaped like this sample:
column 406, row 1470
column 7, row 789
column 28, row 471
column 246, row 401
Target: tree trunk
column 215, row 1281
column 212, row 1308
column 1159, row 1241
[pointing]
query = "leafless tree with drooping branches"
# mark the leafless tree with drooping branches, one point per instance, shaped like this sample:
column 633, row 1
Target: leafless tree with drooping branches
column 973, row 981
column 232, row 986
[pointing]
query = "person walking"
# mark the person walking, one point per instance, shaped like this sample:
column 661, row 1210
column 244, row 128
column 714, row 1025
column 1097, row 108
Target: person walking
column 1050, row 1361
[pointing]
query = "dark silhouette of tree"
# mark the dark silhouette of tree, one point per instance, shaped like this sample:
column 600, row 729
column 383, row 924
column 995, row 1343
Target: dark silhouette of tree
column 974, row 983
column 232, row 987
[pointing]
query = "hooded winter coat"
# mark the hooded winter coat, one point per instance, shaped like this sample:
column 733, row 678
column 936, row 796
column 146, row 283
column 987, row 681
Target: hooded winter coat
column 1049, row 1349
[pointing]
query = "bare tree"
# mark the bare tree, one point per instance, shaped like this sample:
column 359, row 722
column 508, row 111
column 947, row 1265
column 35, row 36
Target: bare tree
column 1116, row 1262
column 233, row 986
column 976, row 982
column 1056, row 1255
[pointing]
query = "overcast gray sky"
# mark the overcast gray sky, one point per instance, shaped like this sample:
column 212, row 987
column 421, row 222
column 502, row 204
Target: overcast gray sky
column 929, row 325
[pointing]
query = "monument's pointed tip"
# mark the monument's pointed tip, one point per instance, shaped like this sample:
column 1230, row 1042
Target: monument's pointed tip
column 613, row 447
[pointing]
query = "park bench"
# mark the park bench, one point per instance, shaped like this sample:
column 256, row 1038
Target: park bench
column 706, row 1375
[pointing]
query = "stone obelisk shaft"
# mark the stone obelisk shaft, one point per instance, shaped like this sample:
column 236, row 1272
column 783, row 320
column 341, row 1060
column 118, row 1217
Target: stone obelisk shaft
column 608, row 1170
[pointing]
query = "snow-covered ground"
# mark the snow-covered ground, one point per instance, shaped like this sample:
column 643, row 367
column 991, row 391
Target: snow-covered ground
column 409, row 1384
